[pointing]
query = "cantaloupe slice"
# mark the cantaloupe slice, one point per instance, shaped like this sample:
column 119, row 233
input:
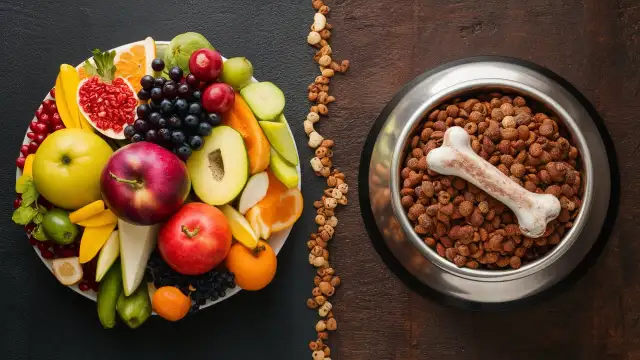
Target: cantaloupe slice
column 241, row 118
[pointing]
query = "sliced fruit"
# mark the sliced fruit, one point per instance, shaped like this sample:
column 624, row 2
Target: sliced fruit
column 93, row 238
column 284, row 171
column 134, row 62
column 240, row 227
column 265, row 100
column 258, row 222
column 136, row 244
column 28, row 165
column 97, row 90
column 254, row 191
column 253, row 268
column 87, row 211
column 241, row 118
column 67, row 270
column 108, row 255
column 68, row 120
column 220, row 169
column 70, row 80
column 280, row 139
column 279, row 209
column 291, row 200
column 108, row 294
column 105, row 217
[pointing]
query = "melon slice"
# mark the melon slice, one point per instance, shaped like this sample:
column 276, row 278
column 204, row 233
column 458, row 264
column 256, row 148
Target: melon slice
column 241, row 119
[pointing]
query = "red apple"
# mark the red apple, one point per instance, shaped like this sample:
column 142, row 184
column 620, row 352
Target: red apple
column 144, row 183
column 205, row 64
column 196, row 239
column 218, row 98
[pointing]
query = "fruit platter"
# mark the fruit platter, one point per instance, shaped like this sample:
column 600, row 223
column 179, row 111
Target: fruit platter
column 159, row 178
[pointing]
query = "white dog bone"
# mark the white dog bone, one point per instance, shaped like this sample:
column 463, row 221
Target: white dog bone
column 455, row 157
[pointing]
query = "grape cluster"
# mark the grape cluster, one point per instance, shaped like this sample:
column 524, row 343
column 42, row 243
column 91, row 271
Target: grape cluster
column 174, row 117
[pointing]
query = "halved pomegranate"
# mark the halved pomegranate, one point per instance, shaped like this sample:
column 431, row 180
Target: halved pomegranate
column 107, row 101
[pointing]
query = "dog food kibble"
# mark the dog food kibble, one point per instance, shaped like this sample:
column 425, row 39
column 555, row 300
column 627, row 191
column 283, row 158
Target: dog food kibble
column 461, row 222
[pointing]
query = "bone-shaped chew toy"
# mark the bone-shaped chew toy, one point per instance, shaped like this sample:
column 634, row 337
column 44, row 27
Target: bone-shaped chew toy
column 455, row 157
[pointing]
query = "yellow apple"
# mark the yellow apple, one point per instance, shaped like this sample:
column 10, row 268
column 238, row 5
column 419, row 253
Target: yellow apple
column 68, row 165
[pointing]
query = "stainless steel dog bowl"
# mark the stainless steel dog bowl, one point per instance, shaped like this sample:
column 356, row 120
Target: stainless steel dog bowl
column 382, row 164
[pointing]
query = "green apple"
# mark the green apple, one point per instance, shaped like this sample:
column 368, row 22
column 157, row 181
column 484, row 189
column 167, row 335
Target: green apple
column 281, row 140
column 220, row 169
column 68, row 165
column 285, row 172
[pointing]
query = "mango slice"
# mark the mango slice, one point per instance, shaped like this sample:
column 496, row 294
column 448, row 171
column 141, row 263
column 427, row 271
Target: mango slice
column 87, row 211
column 103, row 218
column 92, row 241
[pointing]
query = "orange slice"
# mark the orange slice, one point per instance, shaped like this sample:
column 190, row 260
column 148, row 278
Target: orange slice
column 134, row 62
column 279, row 209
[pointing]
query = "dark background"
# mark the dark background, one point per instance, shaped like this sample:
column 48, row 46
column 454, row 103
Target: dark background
column 594, row 44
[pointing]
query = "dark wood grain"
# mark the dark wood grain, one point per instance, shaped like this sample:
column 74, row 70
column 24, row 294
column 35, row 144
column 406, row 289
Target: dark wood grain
column 595, row 45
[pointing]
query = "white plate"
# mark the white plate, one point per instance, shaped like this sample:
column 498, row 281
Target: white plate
column 276, row 240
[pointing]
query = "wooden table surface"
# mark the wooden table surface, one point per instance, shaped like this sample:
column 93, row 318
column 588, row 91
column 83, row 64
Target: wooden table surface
column 594, row 44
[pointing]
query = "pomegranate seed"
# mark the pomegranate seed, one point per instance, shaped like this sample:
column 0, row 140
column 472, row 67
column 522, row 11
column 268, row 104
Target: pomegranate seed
column 17, row 203
column 53, row 108
column 33, row 146
column 20, row 162
column 58, row 127
column 32, row 241
column 47, row 106
column 67, row 252
column 44, row 119
column 24, row 149
column 52, row 92
column 31, row 135
column 32, row 126
column 55, row 119
column 46, row 254
column 40, row 138
column 41, row 127
column 29, row 227
column 40, row 112
column 84, row 286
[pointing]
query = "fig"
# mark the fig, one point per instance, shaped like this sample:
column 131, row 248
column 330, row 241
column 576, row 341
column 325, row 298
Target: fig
column 181, row 47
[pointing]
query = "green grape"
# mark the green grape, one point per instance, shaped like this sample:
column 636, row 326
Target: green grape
column 237, row 72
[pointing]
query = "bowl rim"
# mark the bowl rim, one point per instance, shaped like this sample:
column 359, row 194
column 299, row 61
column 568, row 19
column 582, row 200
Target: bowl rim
column 460, row 90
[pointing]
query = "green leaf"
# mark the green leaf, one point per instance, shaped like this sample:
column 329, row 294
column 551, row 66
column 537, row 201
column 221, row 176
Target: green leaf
column 42, row 210
column 23, row 184
column 38, row 233
column 104, row 65
column 38, row 218
column 29, row 196
column 24, row 215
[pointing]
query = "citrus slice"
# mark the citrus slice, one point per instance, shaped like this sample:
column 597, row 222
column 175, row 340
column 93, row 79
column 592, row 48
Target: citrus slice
column 134, row 61
column 67, row 270
column 278, row 210
column 240, row 227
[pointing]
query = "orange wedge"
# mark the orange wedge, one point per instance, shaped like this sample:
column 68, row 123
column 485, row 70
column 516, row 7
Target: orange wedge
column 135, row 62
column 279, row 209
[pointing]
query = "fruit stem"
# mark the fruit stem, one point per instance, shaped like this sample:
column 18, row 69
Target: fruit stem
column 136, row 183
column 256, row 250
column 189, row 233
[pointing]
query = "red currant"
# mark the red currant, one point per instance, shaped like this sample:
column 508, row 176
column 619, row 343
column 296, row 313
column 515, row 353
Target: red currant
column 46, row 254
column 29, row 227
column 20, row 162
column 17, row 203
column 55, row 119
column 33, row 147
column 31, row 135
column 52, row 92
column 24, row 149
column 40, row 138
column 84, row 286
column 42, row 246
column 58, row 127
column 33, row 241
